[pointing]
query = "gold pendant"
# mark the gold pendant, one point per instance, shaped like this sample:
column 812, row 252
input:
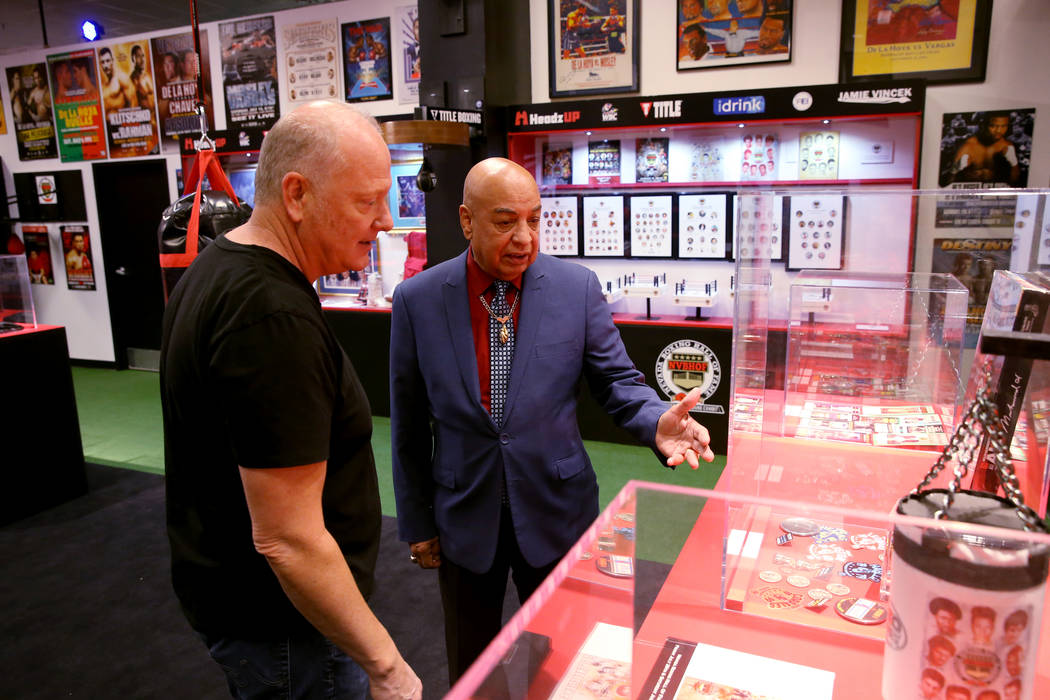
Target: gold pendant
column 504, row 336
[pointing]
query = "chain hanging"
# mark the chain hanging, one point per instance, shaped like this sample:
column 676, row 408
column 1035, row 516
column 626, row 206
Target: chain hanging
column 981, row 422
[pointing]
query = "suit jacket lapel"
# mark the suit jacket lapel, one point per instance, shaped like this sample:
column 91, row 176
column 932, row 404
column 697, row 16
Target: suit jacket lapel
column 457, row 314
column 533, row 301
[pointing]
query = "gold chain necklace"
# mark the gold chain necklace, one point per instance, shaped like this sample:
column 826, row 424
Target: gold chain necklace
column 504, row 334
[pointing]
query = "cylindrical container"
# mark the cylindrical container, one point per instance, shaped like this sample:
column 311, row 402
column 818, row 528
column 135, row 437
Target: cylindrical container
column 965, row 611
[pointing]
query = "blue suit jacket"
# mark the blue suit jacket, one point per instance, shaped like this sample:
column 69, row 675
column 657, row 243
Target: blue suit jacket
column 447, row 452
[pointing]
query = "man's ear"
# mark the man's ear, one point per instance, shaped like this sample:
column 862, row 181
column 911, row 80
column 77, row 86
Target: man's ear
column 466, row 221
column 293, row 193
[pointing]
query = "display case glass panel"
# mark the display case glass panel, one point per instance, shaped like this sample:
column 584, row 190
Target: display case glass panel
column 16, row 296
column 683, row 593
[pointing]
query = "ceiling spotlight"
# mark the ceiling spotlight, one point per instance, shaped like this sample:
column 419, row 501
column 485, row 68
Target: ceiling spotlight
column 91, row 30
column 827, row 121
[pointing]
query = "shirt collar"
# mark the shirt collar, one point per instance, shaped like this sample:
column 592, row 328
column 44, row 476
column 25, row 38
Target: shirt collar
column 479, row 281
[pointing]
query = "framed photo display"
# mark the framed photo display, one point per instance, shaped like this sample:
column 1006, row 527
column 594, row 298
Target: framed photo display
column 759, row 226
column 703, row 225
column 603, row 226
column 651, row 218
column 816, row 237
column 407, row 205
column 942, row 43
column 721, row 33
column 559, row 225
column 594, row 46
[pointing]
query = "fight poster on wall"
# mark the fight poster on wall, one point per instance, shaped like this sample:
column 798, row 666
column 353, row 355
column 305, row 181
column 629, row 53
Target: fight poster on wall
column 78, row 112
column 972, row 261
column 593, row 46
column 129, row 98
column 407, row 43
column 986, row 149
column 249, row 72
column 76, row 247
column 310, row 51
column 719, row 33
column 366, row 52
column 175, row 62
column 31, row 112
column 38, row 253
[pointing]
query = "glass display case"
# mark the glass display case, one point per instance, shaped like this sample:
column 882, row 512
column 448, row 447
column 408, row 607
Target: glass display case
column 817, row 567
column 683, row 593
column 17, row 311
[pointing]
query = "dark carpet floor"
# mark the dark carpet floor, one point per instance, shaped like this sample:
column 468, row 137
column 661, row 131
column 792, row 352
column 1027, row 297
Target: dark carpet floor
column 88, row 610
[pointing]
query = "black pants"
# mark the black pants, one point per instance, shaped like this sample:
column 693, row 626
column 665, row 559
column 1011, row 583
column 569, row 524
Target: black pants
column 473, row 603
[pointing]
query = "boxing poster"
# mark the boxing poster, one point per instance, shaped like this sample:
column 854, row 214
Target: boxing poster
column 76, row 248
column 310, row 51
column 720, row 33
column 78, row 112
column 176, row 73
column 593, row 46
column 366, row 56
column 651, row 159
column 38, row 253
column 31, row 111
column 126, row 79
column 939, row 41
column 557, row 164
column 972, row 261
column 986, row 149
column 407, row 43
column 249, row 72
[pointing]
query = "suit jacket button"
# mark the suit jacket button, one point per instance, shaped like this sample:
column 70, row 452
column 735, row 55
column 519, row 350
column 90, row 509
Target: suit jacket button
column 504, row 438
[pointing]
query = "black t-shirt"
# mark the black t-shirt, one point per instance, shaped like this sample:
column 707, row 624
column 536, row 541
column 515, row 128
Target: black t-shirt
column 253, row 376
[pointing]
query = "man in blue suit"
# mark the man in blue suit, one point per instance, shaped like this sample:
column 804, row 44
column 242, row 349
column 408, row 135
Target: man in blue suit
column 490, row 472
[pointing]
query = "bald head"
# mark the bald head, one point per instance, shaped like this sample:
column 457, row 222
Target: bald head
column 500, row 217
column 315, row 140
column 491, row 176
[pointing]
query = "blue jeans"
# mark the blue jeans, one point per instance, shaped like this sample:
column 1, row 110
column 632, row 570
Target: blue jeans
column 297, row 668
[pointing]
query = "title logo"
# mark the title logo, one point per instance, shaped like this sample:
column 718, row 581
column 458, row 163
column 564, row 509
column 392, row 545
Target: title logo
column 525, row 118
column 454, row 115
column 753, row 104
column 662, row 109
column 877, row 97
column 610, row 113
column 686, row 364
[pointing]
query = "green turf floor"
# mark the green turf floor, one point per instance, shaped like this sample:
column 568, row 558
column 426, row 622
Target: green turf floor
column 120, row 425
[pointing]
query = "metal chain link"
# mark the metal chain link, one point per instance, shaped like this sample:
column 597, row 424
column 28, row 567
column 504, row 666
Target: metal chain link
column 981, row 422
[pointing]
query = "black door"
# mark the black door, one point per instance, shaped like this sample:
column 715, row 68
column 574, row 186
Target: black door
column 131, row 197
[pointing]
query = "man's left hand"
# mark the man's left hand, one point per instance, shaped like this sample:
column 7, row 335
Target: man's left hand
column 680, row 438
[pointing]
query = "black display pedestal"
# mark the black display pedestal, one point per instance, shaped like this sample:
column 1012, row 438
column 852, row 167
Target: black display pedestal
column 39, row 431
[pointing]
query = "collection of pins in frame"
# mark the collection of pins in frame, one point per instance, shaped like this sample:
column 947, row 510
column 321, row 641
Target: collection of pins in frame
column 638, row 226
column 815, row 232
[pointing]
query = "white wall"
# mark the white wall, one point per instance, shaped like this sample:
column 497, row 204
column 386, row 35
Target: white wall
column 1017, row 77
column 85, row 314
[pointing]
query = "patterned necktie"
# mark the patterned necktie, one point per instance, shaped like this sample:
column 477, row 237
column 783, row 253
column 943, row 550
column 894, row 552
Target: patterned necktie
column 500, row 353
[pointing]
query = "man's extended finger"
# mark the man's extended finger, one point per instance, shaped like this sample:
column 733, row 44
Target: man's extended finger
column 683, row 407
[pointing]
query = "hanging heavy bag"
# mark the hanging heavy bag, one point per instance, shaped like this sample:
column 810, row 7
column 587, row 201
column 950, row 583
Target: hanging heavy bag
column 194, row 220
column 966, row 609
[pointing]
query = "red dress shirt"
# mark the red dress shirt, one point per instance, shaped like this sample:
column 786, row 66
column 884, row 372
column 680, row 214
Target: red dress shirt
column 478, row 282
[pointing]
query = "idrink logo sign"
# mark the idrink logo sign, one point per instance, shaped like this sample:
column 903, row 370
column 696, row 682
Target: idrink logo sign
column 754, row 104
